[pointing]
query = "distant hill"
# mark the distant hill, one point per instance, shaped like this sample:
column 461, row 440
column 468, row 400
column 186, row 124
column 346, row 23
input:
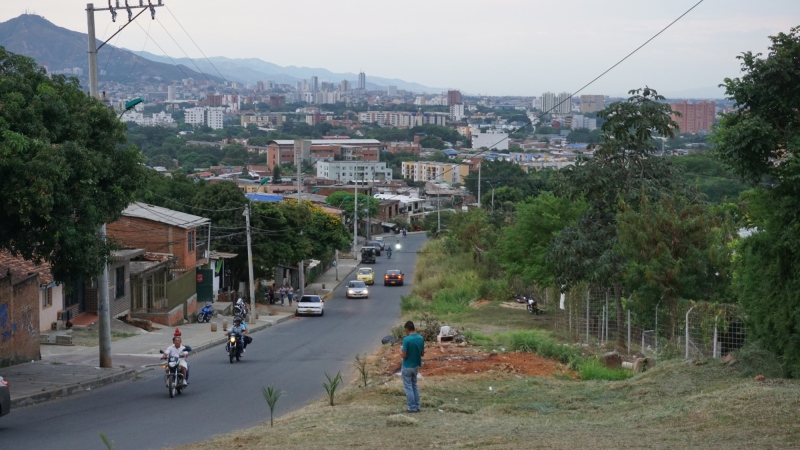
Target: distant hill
column 251, row 70
column 58, row 48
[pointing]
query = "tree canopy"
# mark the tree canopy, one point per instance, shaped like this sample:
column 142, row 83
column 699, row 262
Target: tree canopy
column 63, row 169
column 760, row 141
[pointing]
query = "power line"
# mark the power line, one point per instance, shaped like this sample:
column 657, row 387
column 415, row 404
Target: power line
column 162, row 50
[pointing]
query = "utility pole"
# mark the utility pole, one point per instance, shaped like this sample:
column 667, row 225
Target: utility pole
column 250, row 265
column 438, row 210
column 369, row 213
column 103, row 311
column 301, row 267
column 355, row 221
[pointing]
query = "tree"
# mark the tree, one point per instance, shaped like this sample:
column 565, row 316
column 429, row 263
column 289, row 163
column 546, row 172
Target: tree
column 276, row 174
column 524, row 245
column 345, row 201
column 622, row 171
column 760, row 141
column 63, row 169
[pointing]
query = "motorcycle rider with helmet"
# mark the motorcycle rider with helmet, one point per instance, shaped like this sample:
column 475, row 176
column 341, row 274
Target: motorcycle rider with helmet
column 240, row 327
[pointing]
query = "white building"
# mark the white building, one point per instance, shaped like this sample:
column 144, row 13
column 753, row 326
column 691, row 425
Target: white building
column 581, row 121
column 556, row 104
column 348, row 171
column 210, row 117
column 402, row 119
column 457, row 112
column 492, row 141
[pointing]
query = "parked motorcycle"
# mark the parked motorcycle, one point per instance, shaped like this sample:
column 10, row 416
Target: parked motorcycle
column 206, row 313
column 234, row 346
column 240, row 308
column 533, row 307
column 173, row 376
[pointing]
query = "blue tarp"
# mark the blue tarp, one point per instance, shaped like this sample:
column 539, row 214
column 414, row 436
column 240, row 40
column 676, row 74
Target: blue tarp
column 272, row 198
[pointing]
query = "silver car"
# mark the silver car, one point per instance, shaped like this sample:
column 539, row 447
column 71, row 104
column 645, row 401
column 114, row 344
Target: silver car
column 5, row 397
column 357, row 289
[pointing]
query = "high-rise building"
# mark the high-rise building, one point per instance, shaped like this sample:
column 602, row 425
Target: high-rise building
column 592, row 103
column 210, row 117
column 362, row 81
column 260, row 86
column 457, row 112
column 344, row 85
column 391, row 91
column 453, row 98
column 695, row 117
column 556, row 103
column 314, row 83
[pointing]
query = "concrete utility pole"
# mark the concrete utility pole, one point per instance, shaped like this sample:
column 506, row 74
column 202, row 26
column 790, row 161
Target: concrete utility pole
column 301, row 266
column 103, row 312
column 250, row 266
column 479, row 185
column 355, row 222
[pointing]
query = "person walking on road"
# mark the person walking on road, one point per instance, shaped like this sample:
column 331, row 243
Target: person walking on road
column 412, row 351
column 283, row 294
column 290, row 295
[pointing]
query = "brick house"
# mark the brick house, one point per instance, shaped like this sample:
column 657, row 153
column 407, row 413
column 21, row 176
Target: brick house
column 51, row 298
column 165, row 231
column 19, row 315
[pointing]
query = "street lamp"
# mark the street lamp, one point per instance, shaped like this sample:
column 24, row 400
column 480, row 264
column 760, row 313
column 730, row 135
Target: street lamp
column 129, row 105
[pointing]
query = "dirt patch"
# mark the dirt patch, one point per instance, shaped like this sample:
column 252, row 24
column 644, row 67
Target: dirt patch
column 480, row 303
column 472, row 361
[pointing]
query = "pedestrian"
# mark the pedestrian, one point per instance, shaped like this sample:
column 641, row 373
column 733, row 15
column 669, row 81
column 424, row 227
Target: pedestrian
column 412, row 351
column 283, row 294
column 290, row 294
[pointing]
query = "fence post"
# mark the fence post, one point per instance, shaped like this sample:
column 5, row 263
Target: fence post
column 629, row 331
column 607, row 314
column 587, row 317
column 655, row 332
column 687, row 331
column 716, row 348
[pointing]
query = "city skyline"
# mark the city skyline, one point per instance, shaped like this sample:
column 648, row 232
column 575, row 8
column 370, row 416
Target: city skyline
column 540, row 47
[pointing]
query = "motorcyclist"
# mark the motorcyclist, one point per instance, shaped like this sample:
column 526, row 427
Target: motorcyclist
column 389, row 252
column 240, row 327
column 404, row 232
column 242, row 306
column 181, row 352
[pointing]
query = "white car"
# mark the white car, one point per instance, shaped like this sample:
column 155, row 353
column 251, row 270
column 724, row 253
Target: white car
column 310, row 304
column 380, row 241
column 357, row 289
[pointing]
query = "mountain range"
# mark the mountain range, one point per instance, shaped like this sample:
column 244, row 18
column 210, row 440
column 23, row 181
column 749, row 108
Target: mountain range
column 251, row 70
column 58, row 49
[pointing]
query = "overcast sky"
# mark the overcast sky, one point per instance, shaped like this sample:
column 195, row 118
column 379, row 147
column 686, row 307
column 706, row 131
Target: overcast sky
column 497, row 47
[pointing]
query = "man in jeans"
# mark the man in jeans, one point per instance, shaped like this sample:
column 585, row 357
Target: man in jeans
column 412, row 351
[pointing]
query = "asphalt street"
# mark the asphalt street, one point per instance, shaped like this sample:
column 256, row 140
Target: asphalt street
column 224, row 397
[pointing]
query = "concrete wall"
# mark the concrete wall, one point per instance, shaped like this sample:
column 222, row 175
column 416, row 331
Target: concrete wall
column 49, row 314
column 19, row 321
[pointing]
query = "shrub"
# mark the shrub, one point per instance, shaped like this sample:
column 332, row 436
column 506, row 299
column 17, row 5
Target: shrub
column 411, row 303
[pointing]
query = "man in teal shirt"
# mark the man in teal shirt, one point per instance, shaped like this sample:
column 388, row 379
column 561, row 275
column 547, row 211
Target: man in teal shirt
column 412, row 351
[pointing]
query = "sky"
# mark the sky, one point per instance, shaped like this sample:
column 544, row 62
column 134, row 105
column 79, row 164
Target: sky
column 497, row 47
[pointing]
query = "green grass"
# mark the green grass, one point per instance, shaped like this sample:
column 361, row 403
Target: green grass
column 592, row 369
column 539, row 343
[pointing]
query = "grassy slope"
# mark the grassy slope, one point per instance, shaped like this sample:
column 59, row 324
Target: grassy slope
column 674, row 405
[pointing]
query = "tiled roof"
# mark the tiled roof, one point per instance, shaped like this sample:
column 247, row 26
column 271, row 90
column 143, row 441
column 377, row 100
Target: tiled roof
column 20, row 268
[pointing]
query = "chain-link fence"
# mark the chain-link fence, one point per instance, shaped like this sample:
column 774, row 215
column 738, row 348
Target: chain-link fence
column 592, row 316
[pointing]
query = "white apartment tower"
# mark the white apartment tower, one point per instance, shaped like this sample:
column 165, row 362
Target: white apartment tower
column 556, row 103
column 210, row 117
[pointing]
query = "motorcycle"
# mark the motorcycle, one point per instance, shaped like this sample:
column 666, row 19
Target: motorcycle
column 533, row 307
column 206, row 313
column 240, row 309
column 521, row 299
column 234, row 346
column 389, row 253
column 173, row 376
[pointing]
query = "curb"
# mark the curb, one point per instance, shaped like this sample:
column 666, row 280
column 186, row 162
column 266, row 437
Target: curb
column 329, row 295
column 221, row 340
column 65, row 391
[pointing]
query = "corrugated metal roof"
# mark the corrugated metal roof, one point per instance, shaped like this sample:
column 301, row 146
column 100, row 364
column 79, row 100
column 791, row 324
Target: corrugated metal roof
column 330, row 141
column 164, row 215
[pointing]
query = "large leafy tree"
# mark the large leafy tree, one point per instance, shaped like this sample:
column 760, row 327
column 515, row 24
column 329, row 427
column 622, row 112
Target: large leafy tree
column 760, row 141
column 622, row 171
column 345, row 200
column 63, row 169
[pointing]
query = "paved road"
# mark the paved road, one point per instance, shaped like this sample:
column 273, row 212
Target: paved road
column 223, row 397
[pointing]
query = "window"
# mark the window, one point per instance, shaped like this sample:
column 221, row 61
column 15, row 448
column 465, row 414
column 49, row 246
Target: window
column 191, row 241
column 47, row 298
column 120, row 282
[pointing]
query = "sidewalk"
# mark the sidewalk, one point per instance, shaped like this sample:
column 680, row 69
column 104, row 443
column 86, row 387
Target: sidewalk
column 65, row 370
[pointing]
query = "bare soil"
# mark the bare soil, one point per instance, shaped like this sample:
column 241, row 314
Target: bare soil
column 466, row 360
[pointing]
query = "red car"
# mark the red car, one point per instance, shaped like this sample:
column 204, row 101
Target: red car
column 393, row 277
